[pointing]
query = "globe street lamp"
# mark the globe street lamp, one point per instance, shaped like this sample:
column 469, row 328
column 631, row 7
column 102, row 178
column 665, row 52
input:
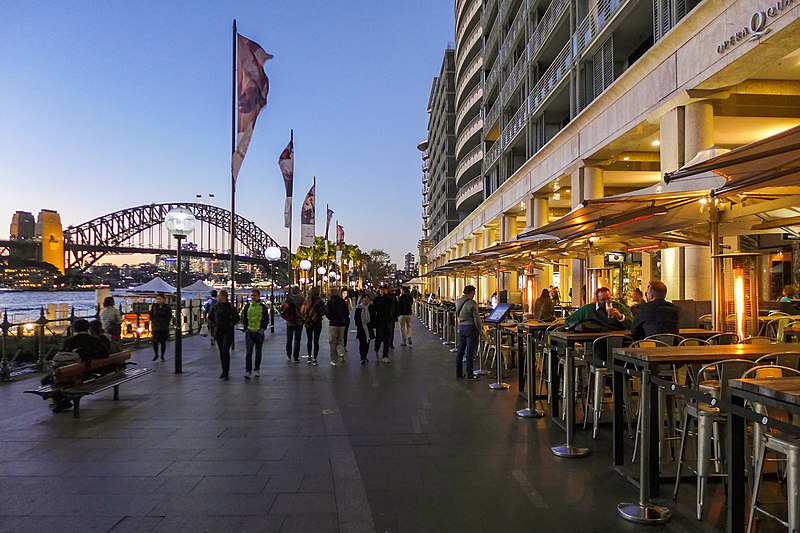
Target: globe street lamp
column 321, row 271
column 273, row 253
column 180, row 223
column 305, row 266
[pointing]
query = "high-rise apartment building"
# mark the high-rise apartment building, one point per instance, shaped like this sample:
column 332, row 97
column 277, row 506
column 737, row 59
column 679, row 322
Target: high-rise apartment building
column 438, row 151
column 410, row 264
column 558, row 102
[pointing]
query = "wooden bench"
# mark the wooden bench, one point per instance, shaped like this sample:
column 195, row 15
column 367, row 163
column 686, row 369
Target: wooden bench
column 77, row 380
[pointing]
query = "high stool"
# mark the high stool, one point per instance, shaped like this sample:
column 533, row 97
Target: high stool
column 599, row 376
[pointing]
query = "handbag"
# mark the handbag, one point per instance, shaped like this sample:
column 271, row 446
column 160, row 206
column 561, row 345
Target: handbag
column 589, row 326
column 204, row 330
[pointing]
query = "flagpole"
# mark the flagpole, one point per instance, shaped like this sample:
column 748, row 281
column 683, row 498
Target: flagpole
column 290, row 271
column 233, row 179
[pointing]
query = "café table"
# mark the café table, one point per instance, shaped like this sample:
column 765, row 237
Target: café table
column 781, row 393
column 529, row 335
column 644, row 363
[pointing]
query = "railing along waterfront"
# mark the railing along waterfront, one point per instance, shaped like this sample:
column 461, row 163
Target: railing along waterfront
column 472, row 157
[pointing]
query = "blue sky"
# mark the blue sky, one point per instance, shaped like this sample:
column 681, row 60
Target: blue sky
column 112, row 104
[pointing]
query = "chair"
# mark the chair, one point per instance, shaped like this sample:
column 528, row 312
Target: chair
column 758, row 340
column 647, row 343
column 546, row 354
column 786, row 359
column 708, row 419
column 777, row 328
column 693, row 342
column 776, row 441
column 600, row 375
column 670, row 339
column 724, row 338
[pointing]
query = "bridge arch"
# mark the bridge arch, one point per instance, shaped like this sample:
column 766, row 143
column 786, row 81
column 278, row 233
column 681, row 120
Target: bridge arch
column 91, row 240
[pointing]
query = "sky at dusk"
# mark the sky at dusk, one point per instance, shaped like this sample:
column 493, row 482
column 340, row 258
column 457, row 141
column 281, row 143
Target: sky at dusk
column 110, row 104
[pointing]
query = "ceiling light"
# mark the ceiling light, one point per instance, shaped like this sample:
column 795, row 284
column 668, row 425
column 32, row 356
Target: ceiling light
column 626, row 158
column 566, row 191
column 556, row 196
column 656, row 143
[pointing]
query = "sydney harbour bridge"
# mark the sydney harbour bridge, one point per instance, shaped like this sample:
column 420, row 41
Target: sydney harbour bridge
column 141, row 229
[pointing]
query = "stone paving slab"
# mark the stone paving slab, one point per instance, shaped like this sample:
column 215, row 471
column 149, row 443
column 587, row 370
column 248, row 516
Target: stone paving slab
column 399, row 447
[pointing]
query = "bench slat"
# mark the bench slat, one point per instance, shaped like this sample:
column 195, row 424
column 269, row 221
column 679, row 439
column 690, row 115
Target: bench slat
column 87, row 367
column 106, row 382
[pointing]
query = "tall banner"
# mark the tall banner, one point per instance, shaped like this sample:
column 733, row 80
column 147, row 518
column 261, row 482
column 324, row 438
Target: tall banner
column 327, row 227
column 286, row 164
column 339, row 242
column 308, row 217
column 252, row 91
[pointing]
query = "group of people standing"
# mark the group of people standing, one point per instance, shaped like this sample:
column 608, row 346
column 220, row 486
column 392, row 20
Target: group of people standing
column 374, row 316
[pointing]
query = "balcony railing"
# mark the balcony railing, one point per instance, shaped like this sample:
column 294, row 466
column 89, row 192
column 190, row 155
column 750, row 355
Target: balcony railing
column 513, row 32
column 492, row 115
column 516, row 75
column 504, row 6
column 462, row 22
column 492, row 155
column 476, row 35
column 475, row 125
column 472, row 187
column 546, row 25
column 490, row 5
column 472, row 157
column 474, row 66
column 514, row 125
column 493, row 76
column 493, row 35
column 466, row 106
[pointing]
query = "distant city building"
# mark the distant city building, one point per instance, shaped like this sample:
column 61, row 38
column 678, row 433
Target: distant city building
column 411, row 264
column 49, row 230
column 439, row 214
column 18, row 273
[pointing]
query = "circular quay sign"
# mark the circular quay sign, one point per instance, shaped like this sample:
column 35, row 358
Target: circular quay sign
column 756, row 27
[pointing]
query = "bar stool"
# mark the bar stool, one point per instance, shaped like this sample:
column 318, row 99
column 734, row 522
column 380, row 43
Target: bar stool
column 708, row 419
column 599, row 376
column 652, row 343
column 771, row 440
column 787, row 359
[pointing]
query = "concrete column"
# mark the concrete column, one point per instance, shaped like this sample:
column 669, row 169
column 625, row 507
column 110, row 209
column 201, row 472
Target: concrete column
column 508, row 232
column 697, row 262
column 477, row 241
column 672, row 140
column 647, row 271
column 508, row 228
column 699, row 128
column 539, row 212
column 672, row 272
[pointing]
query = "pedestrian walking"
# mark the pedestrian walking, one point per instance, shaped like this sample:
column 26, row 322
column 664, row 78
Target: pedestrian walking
column 338, row 315
column 393, row 295
column 469, row 322
column 206, row 308
column 364, row 332
column 313, row 311
column 404, row 305
column 224, row 316
column 381, row 314
column 347, row 297
column 290, row 313
column 256, row 320
column 160, row 321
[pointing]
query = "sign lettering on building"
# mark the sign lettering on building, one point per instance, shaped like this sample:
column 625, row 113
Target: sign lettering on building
column 756, row 27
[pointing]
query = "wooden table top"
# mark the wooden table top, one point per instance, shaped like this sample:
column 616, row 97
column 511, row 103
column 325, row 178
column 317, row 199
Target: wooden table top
column 701, row 354
column 785, row 390
column 535, row 325
column 571, row 336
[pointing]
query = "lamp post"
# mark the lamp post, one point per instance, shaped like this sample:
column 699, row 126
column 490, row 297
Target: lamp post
column 273, row 253
column 180, row 223
column 321, row 271
column 305, row 266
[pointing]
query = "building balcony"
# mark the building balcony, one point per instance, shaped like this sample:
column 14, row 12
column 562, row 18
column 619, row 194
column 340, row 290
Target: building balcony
column 474, row 126
column 492, row 156
column 464, row 15
column 493, row 35
column 466, row 108
column 466, row 47
column 470, row 195
column 492, row 115
column 514, row 30
column 469, row 72
column 467, row 165
column 548, row 23
column 492, row 78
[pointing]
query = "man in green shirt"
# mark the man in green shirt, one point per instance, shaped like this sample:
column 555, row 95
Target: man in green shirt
column 609, row 315
column 256, row 321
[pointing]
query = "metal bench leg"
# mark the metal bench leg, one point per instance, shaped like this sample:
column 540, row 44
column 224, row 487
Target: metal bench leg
column 76, row 407
column 116, row 392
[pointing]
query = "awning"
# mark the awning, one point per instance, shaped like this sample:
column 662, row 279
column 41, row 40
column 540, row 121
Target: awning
column 770, row 162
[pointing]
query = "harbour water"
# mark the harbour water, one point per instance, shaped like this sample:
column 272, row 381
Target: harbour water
column 25, row 305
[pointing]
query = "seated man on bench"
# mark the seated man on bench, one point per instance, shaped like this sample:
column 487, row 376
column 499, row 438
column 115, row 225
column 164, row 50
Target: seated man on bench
column 88, row 347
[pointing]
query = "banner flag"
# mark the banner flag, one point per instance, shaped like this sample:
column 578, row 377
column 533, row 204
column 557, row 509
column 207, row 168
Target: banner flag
column 339, row 236
column 252, row 89
column 286, row 164
column 308, row 216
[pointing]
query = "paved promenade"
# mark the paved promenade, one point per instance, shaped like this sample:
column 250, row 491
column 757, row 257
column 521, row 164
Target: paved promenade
column 400, row 447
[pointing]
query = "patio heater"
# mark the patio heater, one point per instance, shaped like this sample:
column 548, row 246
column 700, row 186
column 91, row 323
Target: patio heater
column 739, row 292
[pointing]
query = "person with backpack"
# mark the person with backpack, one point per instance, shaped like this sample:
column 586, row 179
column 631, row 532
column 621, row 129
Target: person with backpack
column 206, row 308
column 382, row 317
column 312, row 311
column 338, row 314
column 256, row 321
column 290, row 312
column 224, row 316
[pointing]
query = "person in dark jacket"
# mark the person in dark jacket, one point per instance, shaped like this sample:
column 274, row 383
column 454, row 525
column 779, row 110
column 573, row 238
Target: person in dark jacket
column 224, row 316
column 160, row 320
column 256, row 321
column 290, row 312
column 543, row 308
column 382, row 317
column 404, row 311
column 393, row 295
column 657, row 315
column 338, row 314
column 364, row 331
column 313, row 311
